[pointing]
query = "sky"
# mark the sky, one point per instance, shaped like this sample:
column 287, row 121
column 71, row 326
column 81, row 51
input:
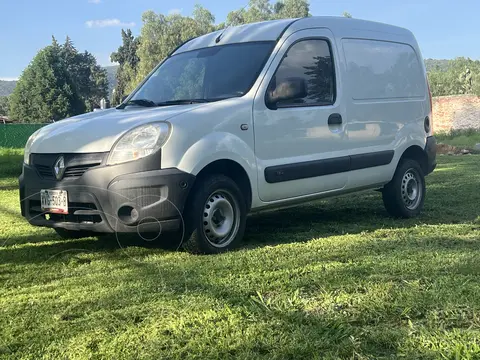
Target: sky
column 445, row 29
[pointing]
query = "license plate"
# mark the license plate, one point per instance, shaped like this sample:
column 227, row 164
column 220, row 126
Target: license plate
column 54, row 201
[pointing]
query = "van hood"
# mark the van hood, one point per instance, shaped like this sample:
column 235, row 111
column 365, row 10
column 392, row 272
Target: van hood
column 97, row 131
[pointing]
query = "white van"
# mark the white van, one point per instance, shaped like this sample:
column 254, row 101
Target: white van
column 258, row 116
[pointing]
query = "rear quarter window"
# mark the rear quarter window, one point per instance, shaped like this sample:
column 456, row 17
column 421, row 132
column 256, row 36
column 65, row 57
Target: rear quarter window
column 383, row 70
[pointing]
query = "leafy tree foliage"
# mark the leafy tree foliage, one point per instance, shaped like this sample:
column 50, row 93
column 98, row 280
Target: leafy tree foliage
column 4, row 105
column 459, row 76
column 59, row 82
column 127, row 58
column 43, row 91
column 262, row 10
column 160, row 34
column 347, row 14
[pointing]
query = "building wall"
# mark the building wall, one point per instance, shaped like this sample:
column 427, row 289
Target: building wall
column 456, row 112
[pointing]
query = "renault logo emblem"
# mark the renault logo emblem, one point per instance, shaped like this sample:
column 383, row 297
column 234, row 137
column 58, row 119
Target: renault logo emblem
column 59, row 167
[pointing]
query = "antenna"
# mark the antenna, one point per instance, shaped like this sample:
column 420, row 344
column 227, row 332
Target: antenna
column 217, row 40
column 219, row 37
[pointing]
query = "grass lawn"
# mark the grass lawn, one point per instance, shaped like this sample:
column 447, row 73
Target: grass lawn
column 460, row 138
column 10, row 167
column 334, row 279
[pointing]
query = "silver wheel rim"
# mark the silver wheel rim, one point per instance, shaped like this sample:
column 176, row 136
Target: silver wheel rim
column 411, row 189
column 221, row 218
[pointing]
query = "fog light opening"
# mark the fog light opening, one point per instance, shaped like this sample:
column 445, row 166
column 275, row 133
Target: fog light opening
column 127, row 214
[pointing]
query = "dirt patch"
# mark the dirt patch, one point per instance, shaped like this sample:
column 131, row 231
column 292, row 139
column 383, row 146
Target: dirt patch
column 445, row 149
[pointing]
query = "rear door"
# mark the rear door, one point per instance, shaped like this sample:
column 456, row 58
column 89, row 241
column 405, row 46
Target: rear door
column 300, row 145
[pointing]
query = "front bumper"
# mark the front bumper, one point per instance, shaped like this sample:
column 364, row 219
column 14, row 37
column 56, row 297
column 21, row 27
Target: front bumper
column 100, row 200
column 431, row 151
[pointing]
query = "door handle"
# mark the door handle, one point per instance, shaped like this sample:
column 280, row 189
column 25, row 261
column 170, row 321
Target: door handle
column 335, row 119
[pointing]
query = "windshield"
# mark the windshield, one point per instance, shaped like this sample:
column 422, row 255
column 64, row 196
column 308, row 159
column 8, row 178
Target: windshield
column 206, row 74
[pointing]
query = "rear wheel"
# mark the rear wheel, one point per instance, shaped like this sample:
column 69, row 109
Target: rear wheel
column 74, row 234
column 215, row 217
column 404, row 196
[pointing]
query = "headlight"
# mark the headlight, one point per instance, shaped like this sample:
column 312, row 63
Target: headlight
column 28, row 145
column 139, row 142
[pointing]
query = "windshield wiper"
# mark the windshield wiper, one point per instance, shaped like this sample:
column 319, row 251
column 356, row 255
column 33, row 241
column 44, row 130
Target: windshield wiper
column 139, row 102
column 182, row 102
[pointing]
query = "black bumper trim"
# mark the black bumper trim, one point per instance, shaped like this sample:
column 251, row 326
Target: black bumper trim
column 431, row 152
column 165, row 226
column 158, row 197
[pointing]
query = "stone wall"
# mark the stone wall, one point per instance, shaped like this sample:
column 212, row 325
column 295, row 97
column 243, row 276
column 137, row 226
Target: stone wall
column 456, row 112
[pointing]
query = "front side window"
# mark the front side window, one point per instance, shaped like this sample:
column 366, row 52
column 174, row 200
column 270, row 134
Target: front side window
column 307, row 62
column 207, row 74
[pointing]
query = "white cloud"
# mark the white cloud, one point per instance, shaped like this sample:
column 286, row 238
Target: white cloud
column 174, row 11
column 94, row 1
column 8, row 78
column 107, row 23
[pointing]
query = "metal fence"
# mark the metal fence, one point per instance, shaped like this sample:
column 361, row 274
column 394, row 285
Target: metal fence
column 16, row 135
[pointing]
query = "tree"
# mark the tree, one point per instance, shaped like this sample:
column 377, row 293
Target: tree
column 88, row 80
column 458, row 76
column 161, row 34
column 347, row 14
column 204, row 19
column 4, row 104
column 127, row 58
column 43, row 91
column 291, row 9
column 58, row 83
column 261, row 10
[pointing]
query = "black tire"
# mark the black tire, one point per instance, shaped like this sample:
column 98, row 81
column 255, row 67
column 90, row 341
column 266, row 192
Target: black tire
column 73, row 234
column 200, row 217
column 398, row 194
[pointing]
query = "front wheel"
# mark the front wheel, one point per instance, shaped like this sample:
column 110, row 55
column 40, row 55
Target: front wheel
column 215, row 217
column 404, row 196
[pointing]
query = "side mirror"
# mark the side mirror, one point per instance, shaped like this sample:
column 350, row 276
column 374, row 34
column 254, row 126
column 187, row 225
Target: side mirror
column 289, row 89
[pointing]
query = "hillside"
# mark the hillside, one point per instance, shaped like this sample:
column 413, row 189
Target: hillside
column 434, row 64
column 112, row 80
column 6, row 87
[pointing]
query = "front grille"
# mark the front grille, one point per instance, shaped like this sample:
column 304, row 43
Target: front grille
column 77, row 171
column 75, row 164
column 45, row 171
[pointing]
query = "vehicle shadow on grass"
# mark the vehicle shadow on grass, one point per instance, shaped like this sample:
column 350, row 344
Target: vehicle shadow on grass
column 295, row 225
column 451, row 199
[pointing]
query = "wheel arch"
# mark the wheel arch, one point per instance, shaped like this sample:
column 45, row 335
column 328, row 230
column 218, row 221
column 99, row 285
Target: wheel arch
column 233, row 170
column 416, row 153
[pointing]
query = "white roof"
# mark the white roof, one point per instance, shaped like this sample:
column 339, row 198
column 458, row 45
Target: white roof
column 273, row 30
column 261, row 31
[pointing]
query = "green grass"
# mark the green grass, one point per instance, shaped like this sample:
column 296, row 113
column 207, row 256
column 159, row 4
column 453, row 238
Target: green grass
column 334, row 279
column 460, row 138
column 11, row 161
